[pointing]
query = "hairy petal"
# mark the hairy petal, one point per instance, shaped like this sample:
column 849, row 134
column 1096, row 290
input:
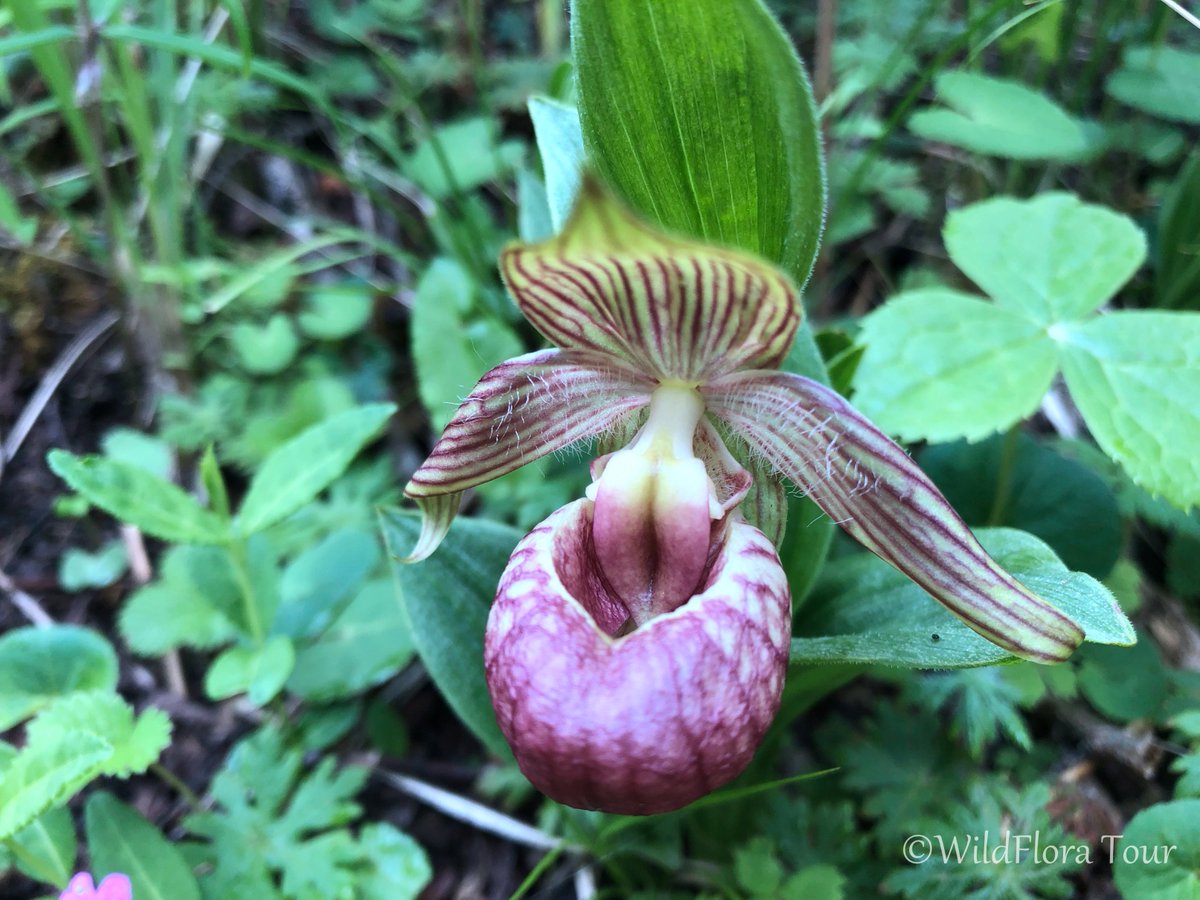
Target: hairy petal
column 520, row 411
column 670, row 308
column 650, row 721
column 869, row 485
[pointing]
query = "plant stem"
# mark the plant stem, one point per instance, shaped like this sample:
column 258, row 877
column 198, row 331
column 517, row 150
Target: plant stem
column 241, row 573
column 1004, row 477
column 179, row 785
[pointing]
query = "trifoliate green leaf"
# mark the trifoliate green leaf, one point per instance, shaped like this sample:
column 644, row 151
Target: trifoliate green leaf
column 1136, row 379
column 1053, row 258
column 940, row 365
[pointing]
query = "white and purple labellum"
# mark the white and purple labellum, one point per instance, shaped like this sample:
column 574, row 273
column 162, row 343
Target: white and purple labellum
column 634, row 721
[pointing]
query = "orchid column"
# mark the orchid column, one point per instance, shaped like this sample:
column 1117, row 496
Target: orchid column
column 637, row 647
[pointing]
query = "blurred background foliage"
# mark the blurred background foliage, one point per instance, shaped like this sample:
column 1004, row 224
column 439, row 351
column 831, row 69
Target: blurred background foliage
column 294, row 209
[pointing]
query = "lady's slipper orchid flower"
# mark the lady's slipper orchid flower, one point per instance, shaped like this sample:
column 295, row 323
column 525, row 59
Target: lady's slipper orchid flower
column 114, row 887
column 637, row 647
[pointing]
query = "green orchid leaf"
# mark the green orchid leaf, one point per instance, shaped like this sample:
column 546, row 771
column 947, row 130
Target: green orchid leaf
column 997, row 117
column 864, row 611
column 1053, row 258
column 445, row 600
column 560, row 143
column 1161, row 80
column 655, row 79
column 940, row 365
column 1136, row 378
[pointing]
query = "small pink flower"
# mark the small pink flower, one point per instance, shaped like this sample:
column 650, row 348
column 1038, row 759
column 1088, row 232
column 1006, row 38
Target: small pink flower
column 114, row 887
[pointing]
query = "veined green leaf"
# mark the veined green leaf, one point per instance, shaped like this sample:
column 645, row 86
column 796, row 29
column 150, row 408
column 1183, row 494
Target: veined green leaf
column 864, row 611
column 445, row 600
column 1136, row 379
column 940, row 365
column 303, row 467
column 259, row 672
column 701, row 115
column 121, row 840
column 45, row 848
column 133, row 495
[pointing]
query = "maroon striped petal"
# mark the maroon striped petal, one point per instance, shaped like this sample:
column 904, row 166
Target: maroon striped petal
column 520, row 411
column 673, row 309
column 869, row 485
column 649, row 721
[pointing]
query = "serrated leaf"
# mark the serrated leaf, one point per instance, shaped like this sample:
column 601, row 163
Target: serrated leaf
column 121, row 840
column 1136, row 378
column 258, row 671
column 445, row 600
column 1161, row 80
column 42, row 776
column 45, row 848
column 134, row 743
column 39, row 665
column 560, row 143
column 303, row 467
column 270, row 818
column 864, row 611
column 1053, row 258
column 133, row 495
column 654, row 80
column 998, row 117
column 367, row 643
column 940, row 365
